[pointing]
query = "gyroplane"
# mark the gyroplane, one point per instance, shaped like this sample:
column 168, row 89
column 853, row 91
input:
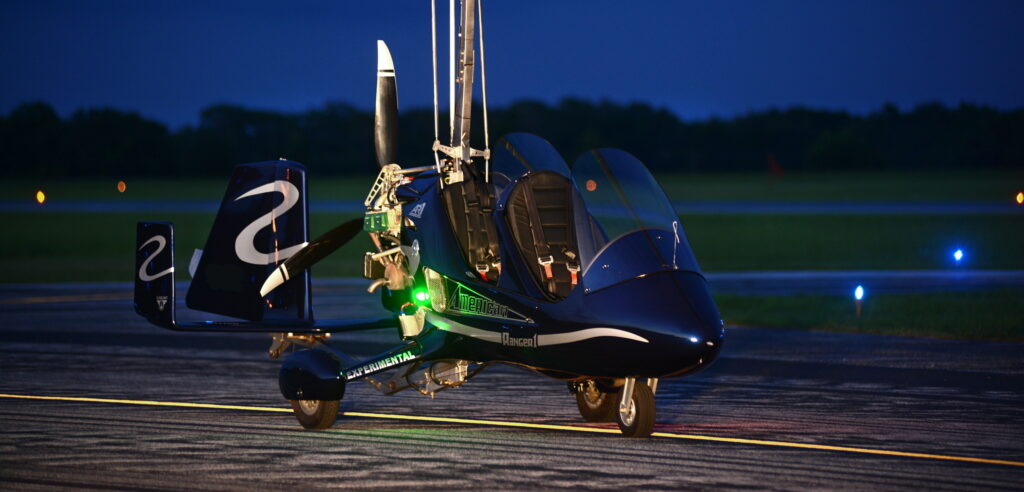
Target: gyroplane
column 500, row 255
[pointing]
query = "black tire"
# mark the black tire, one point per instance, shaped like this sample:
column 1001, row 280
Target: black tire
column 596, row 405
column 639, row 421
column 316, row 414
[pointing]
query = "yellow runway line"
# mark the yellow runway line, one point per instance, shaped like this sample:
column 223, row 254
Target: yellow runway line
column 213, row 406
column 501, row 423
column 825, row 447
column 497, row 423
column 79, row 298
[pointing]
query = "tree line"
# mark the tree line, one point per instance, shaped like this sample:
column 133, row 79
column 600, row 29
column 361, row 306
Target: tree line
column 338, row 138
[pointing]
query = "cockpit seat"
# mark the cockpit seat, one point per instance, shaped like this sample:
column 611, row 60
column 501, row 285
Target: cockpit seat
column 539, row 212
column 470, row 207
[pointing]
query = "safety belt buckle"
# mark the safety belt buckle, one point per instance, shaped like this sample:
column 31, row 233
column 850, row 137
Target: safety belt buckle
column 573, row 270
column 482, row 269
column 546, row 261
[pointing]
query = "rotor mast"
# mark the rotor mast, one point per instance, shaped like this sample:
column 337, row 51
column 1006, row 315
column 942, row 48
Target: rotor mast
column 464, row 80
column 460, row 150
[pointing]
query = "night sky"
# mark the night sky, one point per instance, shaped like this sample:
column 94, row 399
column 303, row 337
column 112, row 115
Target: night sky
column 168, row 60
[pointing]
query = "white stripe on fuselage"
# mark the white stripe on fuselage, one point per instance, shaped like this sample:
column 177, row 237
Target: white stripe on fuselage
column 542, row 340
column 576, row 336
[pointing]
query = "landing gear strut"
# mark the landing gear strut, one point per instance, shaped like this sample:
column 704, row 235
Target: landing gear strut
column 630, row 405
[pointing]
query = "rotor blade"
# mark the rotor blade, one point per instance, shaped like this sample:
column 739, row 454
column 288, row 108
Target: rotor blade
column 385, row 117
column 315, row 251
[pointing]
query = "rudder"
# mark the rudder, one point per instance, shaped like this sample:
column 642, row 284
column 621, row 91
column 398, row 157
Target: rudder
column 263, row 220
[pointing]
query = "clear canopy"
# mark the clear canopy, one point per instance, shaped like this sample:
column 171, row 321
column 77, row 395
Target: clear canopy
column 519, row 153
column 641, row 228
column 625, row 225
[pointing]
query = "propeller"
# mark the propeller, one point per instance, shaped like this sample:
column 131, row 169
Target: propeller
column 315, row 251
column 385, row 140
column 385, row 117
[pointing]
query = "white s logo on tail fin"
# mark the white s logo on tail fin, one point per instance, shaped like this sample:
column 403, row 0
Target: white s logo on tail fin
column 245, row 246
column 161, row 244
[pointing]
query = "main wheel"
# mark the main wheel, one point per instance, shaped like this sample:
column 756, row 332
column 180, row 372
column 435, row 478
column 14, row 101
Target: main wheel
column 596, row 405
column 316, row 414
column 638, row 421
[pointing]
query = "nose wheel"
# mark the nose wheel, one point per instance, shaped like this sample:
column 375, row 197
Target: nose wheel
column 630, row 405
column 636, row 410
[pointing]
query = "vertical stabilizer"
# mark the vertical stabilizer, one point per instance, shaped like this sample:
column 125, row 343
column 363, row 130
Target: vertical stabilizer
column 263, row 220
column 154, row 272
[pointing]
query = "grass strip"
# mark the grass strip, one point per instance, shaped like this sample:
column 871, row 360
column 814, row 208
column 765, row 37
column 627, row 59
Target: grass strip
column 942, row 186
column 996, row 315
column 69, row 246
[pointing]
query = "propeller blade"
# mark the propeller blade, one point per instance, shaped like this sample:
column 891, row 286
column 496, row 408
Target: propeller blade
column 315, row 251
column 385, row 117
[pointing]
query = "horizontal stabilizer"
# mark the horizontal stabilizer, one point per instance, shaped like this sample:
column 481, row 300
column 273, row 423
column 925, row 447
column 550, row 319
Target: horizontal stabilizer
column 155, row 299
column 320, row 326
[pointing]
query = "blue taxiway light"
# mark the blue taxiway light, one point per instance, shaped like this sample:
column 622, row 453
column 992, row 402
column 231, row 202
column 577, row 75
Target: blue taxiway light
column 958, row 255
column 858, row 293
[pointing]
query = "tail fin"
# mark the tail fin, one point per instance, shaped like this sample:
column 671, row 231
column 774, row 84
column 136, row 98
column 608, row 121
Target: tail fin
column 262, row 221
column 154, row 279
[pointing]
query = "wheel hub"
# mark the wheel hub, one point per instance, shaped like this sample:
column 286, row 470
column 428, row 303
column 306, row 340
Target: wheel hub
column 628, row 416
column 309, row 407
column 592, row 396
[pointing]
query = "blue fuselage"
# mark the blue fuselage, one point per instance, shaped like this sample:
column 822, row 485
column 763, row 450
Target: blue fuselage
column 655, row 325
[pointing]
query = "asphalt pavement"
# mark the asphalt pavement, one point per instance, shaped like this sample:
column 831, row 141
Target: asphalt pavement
column 781, row 409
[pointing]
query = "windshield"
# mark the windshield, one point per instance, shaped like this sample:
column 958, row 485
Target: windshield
column 634, row 230
column 519, row 153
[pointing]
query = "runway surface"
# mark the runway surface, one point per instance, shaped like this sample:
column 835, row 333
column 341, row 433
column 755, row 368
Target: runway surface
column 772, row 396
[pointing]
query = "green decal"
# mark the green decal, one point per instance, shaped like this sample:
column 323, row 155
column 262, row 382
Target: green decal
column 375, row 222
column 466, row 301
